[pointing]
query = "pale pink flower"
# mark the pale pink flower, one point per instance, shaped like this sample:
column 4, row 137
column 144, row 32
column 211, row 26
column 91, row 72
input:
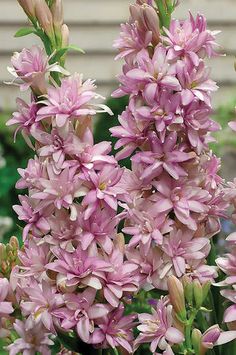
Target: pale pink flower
column 166, row 156
column 157, row 328
column 71, row 100
column 31, row 66
column 60, row 190
column 181, row 246
column 6, row 307
column 80, row 312
column 34, row 259
column 215, row 336
column 30, row 341
column 115, row 330
column 42, row 300
column 150, row 75
column 183, row 199
column 191, row 39
column 122, row 280
column 102, row 189
column 36, row 222
column 131, row 41
column 195, row 82
column 79, row 268
column 24, row 118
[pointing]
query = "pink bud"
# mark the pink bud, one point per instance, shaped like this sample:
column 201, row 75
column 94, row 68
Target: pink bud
column 57, row 14
column 176, row 295
column 44, row 17
column 65, row 34
column 28, row 7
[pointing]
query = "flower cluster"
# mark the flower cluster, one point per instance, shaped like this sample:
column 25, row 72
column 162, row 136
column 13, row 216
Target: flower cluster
column 227, row 264
column 72, row 275
column 176, row 195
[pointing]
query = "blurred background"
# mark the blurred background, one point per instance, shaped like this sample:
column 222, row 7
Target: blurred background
column 94, row 24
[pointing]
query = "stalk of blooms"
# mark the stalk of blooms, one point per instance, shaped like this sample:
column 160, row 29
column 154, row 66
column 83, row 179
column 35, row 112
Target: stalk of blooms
column 72, row 274
column 176, row 196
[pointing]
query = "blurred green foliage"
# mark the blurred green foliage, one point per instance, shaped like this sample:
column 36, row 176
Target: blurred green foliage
column 17, row 154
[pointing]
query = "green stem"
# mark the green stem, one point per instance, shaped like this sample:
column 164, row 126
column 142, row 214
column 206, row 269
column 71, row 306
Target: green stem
column 115, row 351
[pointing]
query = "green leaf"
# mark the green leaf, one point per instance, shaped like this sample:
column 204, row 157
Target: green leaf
column 73, row 343
column 25, row 31
column 60, row 52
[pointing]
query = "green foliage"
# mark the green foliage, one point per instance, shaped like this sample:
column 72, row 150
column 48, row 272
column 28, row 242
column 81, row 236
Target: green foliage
column 16, row 156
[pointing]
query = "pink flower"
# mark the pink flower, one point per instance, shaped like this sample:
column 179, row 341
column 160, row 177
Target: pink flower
column 98, row 230
column 163, row 156
column 215, row 336
column 24, row 118
column 115, row 330
column 36, row 222
column 131, row 41
column 146, row 225
column 42, row 300
column 34, row 259
column 181, row 246
column 79, row 268
column 5, row 306
column 59, row 190
column 31, row 66
column 30, row 341
column 102, row 189
column 121, row 280
column 195, row 82
column 80, row 312
column 70, row 100
column 190, row 39
column 131, row 133
column 157, row 328
column 182, row 199
column 151, row 74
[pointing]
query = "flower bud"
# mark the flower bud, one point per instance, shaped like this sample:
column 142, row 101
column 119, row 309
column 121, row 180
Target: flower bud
column 151, row 20
column 65, row 34
column 188, row 289
column 176, row 295
column 209, row 338
column 44, row 17
column 205, row 290
column 196, row 340
column 2, row 252
column 28, row 6
column 198, row 294
column 57, row 15
column 14, row 243
column 119, row 242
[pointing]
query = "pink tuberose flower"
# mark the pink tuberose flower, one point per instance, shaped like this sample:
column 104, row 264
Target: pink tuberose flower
column 30, row 341
column 24, row 118
column 71, row 100
column 80, row 312
column 31, row 66
column 115, row 330
column 5, row 306
column 157, row 328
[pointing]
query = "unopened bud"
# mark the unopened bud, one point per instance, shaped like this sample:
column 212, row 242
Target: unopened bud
column 176, row 295
column 14, row 243
column 196, row 340
column 198, row 294
column 57, row 15
column 151, row 20
column 188, row 289
column 65, row 36
column 209, row 338
column 44, row 17
column 120, row 242
column 2, row 252
column 28, row 6
column 205, row 290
